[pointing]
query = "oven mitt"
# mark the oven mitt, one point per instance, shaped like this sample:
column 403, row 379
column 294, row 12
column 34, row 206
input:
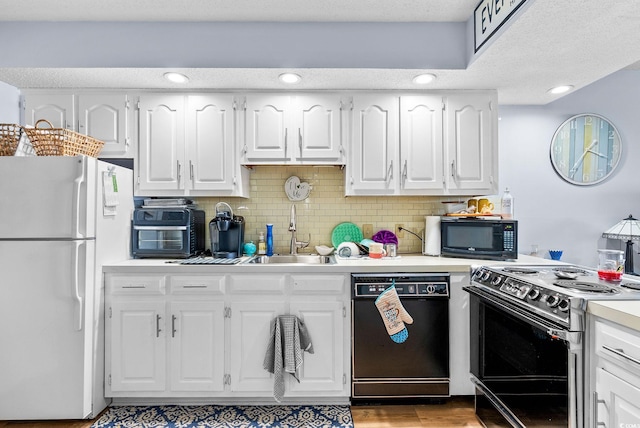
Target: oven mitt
column 393, row 314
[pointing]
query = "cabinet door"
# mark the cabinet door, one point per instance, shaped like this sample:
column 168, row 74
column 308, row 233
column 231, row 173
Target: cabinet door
column 317, row 128
column 56, row 108
column 106, row 118
column 267, row 125
column 373, row 162
column 210, row 141
column 138, row 352
column 323, row 370
column 618, row 402
column 197, row 346
column 161, row 146
column 249, row 336
column 421, row 143
column 471, row 143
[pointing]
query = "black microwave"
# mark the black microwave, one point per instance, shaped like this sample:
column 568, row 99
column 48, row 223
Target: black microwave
column 167, row 232
column 479, row 238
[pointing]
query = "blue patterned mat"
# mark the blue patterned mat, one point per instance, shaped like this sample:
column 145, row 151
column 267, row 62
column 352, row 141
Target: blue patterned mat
column 225, row 417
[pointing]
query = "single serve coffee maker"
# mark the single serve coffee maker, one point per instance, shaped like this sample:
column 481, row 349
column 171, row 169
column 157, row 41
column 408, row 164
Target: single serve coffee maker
column 227, row 232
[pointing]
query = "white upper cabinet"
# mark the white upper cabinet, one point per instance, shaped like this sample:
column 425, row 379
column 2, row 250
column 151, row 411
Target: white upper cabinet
column 421, row 147
column 106, row 117
column 372, row 165
column 58, row 108
column 471, row 137
column 161, row 162
column 428, row 144
column 188, row 147
column 300, row 129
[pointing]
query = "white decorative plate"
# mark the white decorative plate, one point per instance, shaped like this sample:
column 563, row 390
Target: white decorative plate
column 295, row 190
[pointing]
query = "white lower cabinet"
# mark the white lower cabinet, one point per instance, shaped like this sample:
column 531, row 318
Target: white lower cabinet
column 137, row 348
column 614, row 399
column 250, row 323
column 181, row 336
column 197, row 346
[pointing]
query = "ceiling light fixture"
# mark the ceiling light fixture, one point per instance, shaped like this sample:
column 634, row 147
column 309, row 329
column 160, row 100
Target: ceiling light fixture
column 289, row 78
column 176, row 77
column 423, row 79
column 560, row 89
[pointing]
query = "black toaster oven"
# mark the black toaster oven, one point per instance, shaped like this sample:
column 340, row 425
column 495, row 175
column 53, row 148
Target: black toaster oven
column 167, row 232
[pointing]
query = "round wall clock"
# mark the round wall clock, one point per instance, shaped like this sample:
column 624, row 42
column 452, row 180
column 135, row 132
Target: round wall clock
column 586, row 149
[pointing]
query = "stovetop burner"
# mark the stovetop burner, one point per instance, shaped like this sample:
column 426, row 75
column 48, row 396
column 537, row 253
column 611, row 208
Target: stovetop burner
column 586, row 286
column 520, row 270
column 571, row 269
column 630, row 285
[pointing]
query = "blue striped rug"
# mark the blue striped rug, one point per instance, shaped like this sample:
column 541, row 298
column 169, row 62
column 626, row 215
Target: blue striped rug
column 225, row 417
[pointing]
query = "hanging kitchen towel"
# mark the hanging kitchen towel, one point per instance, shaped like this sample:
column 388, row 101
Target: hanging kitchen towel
column 393, row 314
column 288, row 339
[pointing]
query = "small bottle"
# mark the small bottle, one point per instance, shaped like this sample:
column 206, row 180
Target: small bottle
column 507, row 204
column 262, row 246
column 269, row 240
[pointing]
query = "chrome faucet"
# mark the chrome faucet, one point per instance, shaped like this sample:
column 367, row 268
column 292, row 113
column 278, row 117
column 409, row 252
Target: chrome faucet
column 295, row 244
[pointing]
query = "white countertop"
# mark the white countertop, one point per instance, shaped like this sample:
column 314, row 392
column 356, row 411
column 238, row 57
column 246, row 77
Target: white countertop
column 403, row 263
column 623, row 312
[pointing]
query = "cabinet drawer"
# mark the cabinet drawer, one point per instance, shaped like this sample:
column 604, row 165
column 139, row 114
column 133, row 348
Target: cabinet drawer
column 257, row 284
column 619, row 344
column 136, row 285
column 200, row 284
column 330, row 284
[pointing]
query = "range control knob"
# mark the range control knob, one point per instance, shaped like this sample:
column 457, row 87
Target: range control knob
column 553, row 301
column 534, row 294
column 563, row 305
column 496, row 280
column 486, row 275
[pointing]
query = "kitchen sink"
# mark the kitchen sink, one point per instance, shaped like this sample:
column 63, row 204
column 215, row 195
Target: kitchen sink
column 305, row 259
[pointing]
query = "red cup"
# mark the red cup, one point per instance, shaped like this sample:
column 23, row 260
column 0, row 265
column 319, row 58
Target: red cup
column 610, row 275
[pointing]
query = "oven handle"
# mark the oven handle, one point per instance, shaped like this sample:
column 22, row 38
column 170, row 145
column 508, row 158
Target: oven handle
column 160, row 228
column 550, row 329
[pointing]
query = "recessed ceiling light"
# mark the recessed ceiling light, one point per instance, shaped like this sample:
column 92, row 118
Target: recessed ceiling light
column 560, row 89
column 423, row 79
column 176, row 77
column 290, row 78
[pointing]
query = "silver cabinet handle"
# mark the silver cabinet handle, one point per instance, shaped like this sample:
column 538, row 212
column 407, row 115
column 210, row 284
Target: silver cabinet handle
column 173, row 326
column 404, row 173
column 596, row 401
column 158, row 329
column 179, row 173
column 300, row 141
column 621, row 353
column 453, row 169
column 286, row 137
column 390, row 172
column 191, row 170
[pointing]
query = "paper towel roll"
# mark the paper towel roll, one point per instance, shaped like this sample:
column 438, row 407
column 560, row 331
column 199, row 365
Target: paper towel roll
column 432, row 235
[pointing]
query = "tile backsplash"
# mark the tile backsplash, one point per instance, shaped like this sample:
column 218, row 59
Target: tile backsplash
column 323, row 210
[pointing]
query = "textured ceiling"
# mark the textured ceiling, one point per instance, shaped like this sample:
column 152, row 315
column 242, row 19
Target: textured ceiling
column 551, row 42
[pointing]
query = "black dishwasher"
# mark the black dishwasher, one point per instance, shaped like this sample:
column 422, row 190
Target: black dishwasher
column 419, row 367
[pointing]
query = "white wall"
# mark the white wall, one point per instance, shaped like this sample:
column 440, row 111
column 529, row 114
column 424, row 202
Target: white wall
column 9, row 104
column 551, row 212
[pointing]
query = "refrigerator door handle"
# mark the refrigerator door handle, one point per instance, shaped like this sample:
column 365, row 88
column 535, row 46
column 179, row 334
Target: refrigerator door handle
column 77, row 190
column 75, row 286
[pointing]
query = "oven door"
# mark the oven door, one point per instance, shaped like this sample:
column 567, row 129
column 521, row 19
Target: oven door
column 527, row 371
column 160, row 241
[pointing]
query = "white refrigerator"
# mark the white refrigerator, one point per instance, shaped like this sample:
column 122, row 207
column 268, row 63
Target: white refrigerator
column 61, row 218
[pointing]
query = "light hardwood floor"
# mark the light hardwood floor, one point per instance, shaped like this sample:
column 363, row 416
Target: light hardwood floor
column 454, row 412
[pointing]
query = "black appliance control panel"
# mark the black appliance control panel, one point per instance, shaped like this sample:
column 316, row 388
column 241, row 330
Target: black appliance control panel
column 407, row 285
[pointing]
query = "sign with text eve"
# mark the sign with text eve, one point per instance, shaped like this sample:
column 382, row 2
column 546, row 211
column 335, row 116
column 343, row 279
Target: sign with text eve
column 489, row 16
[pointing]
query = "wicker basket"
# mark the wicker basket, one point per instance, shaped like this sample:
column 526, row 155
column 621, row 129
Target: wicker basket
column 62, row 142
column 10, row 135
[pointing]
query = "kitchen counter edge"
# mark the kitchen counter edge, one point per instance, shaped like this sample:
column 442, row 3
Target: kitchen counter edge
column 623, row 312
column 404, row 263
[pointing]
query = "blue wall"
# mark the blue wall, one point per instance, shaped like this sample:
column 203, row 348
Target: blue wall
column 551, row 212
